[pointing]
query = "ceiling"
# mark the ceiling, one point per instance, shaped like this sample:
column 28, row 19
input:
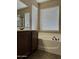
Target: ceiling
column 21, row 5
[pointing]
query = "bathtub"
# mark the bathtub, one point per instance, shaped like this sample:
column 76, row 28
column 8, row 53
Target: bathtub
column 50, row 46
column 47, row 44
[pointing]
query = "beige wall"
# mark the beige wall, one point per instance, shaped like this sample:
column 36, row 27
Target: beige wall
column 47, row 44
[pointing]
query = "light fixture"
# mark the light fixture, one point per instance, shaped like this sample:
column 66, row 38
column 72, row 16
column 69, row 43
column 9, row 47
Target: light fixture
column 41, row 1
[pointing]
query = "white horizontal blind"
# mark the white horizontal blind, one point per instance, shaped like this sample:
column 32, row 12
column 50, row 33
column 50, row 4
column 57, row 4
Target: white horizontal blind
column 49, row 19
column 34, row 17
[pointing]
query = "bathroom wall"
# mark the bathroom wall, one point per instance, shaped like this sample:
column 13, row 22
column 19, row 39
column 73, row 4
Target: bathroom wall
column 47, row 44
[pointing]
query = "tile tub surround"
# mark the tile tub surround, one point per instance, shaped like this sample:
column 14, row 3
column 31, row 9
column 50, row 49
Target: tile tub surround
column 47, row 44
column 49, row 35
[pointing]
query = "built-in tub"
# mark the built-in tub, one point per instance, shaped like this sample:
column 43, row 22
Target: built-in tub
column 50, row 46
column 47, row 44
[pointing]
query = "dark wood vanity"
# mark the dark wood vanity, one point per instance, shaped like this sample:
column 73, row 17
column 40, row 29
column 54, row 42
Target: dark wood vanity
column 27, row 42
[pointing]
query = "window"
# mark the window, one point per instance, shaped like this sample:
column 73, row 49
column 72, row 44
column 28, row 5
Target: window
column 49, row 19
column 27, row 21
column 34, row 17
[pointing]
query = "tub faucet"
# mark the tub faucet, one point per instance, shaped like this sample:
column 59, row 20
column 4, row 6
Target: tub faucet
column 54, row 38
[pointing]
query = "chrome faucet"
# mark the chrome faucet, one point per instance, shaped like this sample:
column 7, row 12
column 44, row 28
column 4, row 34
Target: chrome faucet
column 54, row 38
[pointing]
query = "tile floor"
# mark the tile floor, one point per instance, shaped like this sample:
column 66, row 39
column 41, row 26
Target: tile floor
column 43, row 55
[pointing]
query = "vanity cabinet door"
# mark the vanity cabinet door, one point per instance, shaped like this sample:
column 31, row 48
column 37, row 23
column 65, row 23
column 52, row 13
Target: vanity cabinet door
column 23, row 43
column 34, row 40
